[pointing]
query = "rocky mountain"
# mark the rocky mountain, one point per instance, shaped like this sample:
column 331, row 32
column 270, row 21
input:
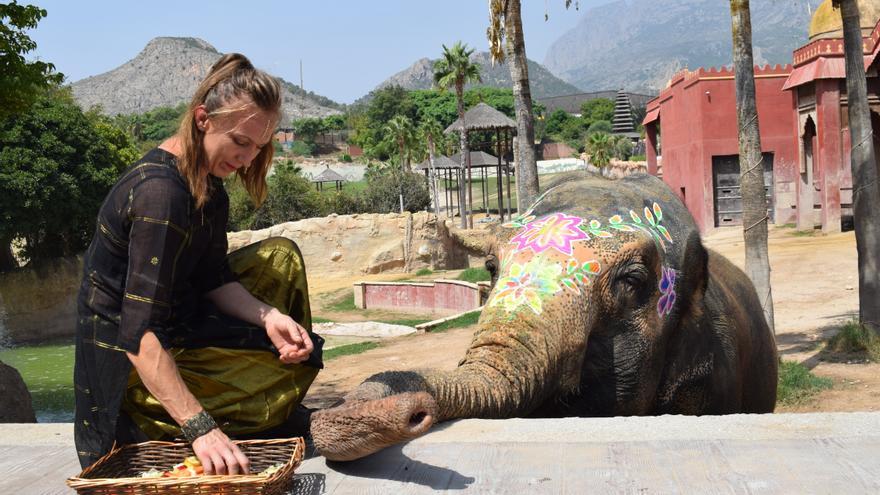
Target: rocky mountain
column 638, row 44
column 543, row 83
column 166, row 72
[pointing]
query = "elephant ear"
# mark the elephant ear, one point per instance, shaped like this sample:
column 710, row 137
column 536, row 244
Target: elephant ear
column 694, row 274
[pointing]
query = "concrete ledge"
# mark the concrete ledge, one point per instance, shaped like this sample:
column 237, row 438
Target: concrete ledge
column 762, row 454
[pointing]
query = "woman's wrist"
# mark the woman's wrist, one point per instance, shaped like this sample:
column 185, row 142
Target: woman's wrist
column 197, row 425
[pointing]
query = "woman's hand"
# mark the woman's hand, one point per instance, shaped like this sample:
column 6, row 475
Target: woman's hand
column 219, row 455
column 289, row 337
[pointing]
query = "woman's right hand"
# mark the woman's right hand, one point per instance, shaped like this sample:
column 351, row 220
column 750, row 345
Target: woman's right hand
column 219, row 455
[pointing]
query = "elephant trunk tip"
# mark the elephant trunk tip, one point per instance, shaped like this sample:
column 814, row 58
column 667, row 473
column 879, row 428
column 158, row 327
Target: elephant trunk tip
column 355, row 430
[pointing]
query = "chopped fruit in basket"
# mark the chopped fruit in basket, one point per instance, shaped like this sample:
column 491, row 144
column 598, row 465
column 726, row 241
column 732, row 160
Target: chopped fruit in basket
column 271, row 469
column 189, row 467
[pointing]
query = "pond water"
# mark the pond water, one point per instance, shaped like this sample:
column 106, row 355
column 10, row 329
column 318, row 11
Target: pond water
column 47, row 370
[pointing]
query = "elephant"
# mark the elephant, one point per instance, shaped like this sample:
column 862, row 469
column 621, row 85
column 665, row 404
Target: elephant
column 605, row 303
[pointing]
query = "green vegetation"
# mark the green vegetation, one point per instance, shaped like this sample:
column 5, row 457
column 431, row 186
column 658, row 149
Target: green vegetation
column 48, row 373
column 854, row 338
column 318, row 319
column 56, row 165
column 407, row 322
column 475, row 275
column 464, row 320
column 151, row 128
column 424, row 272
column 345, row 303
column 797, row 384
column 349, row 349
column 21, row 82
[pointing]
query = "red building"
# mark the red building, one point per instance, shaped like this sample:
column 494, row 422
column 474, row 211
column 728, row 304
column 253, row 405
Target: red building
column 802, row 118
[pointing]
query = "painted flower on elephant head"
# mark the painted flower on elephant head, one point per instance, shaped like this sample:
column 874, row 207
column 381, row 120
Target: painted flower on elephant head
column 527, row 285
column 667, row 291
column 557, row 231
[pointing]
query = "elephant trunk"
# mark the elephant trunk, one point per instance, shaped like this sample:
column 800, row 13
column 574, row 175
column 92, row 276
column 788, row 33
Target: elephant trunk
column 508, row 371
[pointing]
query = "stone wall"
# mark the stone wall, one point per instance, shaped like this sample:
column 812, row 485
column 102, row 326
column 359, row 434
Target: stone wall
column 39, row 304
column 347, row 245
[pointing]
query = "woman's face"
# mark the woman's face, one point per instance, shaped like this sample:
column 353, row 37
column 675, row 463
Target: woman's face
column 234, row 135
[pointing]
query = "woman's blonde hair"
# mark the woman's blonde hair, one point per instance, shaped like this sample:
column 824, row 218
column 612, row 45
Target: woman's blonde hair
column 232, row 77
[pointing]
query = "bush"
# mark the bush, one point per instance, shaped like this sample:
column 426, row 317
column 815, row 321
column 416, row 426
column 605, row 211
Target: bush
column 291, row 197
column 346, row 158
column 387, row 183
column 302, row 148
column 344, row 203
column 475, row 275
column 855, row 338
column 599, row 126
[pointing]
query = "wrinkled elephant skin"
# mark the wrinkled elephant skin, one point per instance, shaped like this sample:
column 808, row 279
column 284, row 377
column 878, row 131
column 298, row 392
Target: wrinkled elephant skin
column 605, row 303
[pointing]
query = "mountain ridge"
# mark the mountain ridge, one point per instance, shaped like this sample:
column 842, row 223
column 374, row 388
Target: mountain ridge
column 167, row 71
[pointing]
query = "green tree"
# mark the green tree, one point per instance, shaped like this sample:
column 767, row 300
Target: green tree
column 751, row 163
column 556, row 120
column 597, row 109
column 599, row 126
column 622, row 147
column 455, row 69
column 400, row 128
column 432, row 132
column 385, row 184
column 308, row 129
column 56, row 166
column 866, row 194
column 21, row 82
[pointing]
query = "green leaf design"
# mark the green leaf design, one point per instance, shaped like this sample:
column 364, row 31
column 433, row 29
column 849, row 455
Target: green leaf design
column 658, row 212
column 635, row 217
column 594, row 224
column 649, row 216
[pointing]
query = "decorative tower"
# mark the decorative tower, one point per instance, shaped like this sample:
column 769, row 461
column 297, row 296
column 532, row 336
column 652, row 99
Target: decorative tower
column 622, row 123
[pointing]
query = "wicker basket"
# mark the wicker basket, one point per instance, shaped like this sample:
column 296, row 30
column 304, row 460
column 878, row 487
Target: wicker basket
column 118, row 472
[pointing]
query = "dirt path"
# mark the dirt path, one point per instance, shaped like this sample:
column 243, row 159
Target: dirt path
column 815, row 289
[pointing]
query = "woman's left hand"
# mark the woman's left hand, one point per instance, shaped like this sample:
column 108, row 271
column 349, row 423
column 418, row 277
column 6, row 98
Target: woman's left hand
column 289, row 337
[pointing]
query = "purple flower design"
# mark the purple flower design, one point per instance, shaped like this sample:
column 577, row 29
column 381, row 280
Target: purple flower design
column 667, row 289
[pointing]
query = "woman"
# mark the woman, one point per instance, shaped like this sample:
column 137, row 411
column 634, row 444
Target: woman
column 171, row 339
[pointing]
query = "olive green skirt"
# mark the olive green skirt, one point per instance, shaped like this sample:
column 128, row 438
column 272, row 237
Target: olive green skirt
column 246, row 390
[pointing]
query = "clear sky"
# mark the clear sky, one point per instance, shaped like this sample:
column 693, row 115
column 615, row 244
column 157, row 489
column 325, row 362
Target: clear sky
column 347, row 47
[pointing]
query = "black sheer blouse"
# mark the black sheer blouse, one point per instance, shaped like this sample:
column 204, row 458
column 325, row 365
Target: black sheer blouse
column 151, row 259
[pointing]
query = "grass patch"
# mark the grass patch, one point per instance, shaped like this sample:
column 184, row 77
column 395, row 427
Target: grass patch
column 854, row 338
column 319, row 319
column 343, row 304
column 349, row 349
column 464, row 320
column 786, row 225
column 475, row 275
column 803, row 233
column 424, row 272
column 797, row 384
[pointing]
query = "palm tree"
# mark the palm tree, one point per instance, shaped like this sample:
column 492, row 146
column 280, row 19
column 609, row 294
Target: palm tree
column 505, row 20
column 600, row 147
column 432, row 131
column 866, row 194
column 456, row 69
column 751, row 164
column 400, row 128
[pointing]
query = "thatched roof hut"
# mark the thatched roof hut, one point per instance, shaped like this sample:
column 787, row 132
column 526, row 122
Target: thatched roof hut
column 440, row 162
column 328, row 175
column 483, row 117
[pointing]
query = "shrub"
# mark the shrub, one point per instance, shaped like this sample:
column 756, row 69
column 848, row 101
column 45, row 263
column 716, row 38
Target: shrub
column 386, row 184
column 599, row 126
column 423, row 272
column 302, row 148
column 855, row 338
column 344, row 203
column 346, row 158
column 291, row 197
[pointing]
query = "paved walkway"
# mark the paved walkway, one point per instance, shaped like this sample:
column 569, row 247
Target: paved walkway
column 756, row 454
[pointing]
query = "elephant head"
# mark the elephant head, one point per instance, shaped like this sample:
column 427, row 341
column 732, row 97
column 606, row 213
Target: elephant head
column 591, row 283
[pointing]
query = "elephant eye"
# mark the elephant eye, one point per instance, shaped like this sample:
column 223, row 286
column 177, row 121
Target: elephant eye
column 492, row 267
column 631, row 279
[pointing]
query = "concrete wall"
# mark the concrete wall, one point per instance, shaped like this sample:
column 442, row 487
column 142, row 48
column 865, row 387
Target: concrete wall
column 440, row 296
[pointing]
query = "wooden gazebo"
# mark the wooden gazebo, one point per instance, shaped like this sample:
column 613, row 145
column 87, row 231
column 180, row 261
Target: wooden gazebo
column 449, row 171
column 482, row 117
column 328, row 175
